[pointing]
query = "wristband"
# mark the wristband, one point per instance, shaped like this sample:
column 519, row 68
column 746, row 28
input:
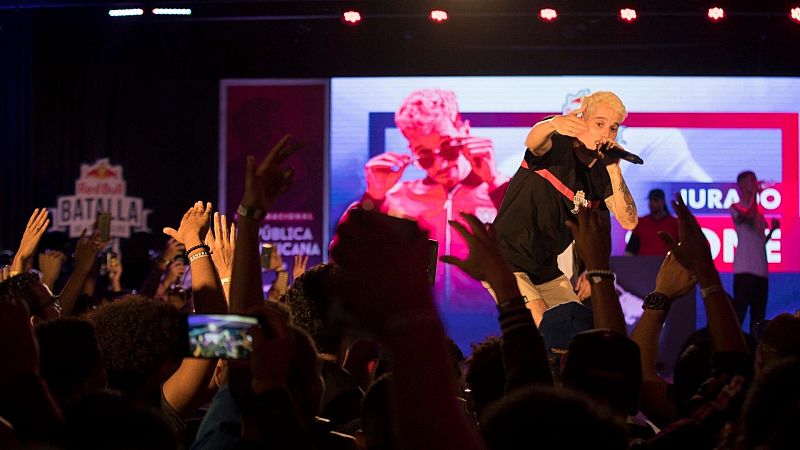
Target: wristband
column 657, row 301
column 705, row 292
column 253, row 213
column 596, row 276
column 225, row 280
column 196, row 256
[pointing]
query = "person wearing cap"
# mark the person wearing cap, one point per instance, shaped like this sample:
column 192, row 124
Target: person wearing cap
column 644, row 239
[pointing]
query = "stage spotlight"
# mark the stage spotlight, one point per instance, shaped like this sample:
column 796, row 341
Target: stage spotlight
column 715, row 14
column 172, row 11
column 794, row 14
column 438, row 16
column 627, row 15
column 125, row 12
column 548, row 14
column 351, row 17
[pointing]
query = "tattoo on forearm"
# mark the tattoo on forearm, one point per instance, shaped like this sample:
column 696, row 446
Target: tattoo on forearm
column 630, row 205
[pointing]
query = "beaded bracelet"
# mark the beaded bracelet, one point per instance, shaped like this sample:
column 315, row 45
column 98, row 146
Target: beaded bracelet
column 196, row 256
column 595, row 276
column 198, row 247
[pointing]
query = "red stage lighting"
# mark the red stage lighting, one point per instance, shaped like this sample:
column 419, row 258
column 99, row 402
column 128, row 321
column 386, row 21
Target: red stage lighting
column 628, row 15
column 794, row 14
column 351, row 17
column 438, row 16
column 548, row 14
column 715, row 14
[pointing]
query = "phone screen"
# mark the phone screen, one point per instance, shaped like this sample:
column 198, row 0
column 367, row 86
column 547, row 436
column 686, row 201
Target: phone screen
column 104, row 226
column 220, row 335
column 266, row 255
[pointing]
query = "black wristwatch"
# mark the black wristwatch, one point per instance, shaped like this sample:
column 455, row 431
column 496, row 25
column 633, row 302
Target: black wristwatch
column 253, row 213
column 658, row 301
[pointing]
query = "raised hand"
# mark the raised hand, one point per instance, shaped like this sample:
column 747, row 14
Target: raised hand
column 50, row 263
column 480, row 153
column 194, row 225
column 265, row 182
column 484, row 262
column 271, row 359
column 37, row 225
column 86, row 251
column 592, row 234
column 115, row 275
column 775, row 224
column 222, row 243
column 674, row 280
column 175, row 273
column 172, row 249
column 384, row 171
column 692, row 249
column 570, row 124
column 299, row 267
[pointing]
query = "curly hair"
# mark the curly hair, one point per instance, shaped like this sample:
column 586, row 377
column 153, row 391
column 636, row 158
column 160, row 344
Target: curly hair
column 309, row 299
column 18, row 288
column 137, row 335
column 486, row 376
column 426, row 109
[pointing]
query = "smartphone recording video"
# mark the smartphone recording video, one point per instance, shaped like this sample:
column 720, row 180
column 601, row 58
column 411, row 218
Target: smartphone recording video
column 220, row 335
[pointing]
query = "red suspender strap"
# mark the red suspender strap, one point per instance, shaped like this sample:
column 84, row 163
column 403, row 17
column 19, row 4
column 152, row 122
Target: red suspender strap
column 560, row 187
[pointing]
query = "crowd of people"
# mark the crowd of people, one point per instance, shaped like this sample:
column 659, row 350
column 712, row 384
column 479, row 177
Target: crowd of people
column 353, row 354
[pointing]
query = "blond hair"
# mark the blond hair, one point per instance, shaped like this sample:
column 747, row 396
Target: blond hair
column 610, row 99
column 427, row 111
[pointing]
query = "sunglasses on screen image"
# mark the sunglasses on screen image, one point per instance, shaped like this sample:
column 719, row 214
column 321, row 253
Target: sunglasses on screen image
column 448, row 150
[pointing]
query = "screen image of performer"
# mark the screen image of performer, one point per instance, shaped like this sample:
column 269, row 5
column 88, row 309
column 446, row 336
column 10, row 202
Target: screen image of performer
column 562, row 170
column 644, row 240
column 750, row 269
column 460, row 176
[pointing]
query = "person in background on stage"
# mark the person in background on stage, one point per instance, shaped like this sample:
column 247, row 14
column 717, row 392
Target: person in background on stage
column 750, row 269
column 562, row 170
column 461, row 176
column 644, row 240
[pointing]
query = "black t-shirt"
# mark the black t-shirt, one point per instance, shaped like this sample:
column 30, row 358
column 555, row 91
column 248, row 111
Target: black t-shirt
column 530, row 224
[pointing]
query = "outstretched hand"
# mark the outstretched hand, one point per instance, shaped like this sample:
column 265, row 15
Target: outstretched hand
column 37, row 225
column 265, row 182
column 674, row 280
column 194, row 225
column 222, row 243
column 570, row 124
column 592, row 234
column 692, row 249
column 86, row 250
column 484, row 262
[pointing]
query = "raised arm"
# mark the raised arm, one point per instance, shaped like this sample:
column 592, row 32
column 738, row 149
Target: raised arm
column 85, row 257
column 592, row 235
column 263, row 184
column 538, row 139
column 673, row 281
column 524, row 356
column 693, row 252
column 187, row 388
column 37, row 225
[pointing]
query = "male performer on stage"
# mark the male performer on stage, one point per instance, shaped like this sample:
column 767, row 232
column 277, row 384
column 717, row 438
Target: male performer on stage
column 563, row 170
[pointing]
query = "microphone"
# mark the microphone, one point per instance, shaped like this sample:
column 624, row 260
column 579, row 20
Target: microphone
column 613, row 149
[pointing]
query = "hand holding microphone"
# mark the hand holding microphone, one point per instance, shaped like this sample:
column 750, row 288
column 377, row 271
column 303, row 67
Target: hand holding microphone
column 614, row 150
